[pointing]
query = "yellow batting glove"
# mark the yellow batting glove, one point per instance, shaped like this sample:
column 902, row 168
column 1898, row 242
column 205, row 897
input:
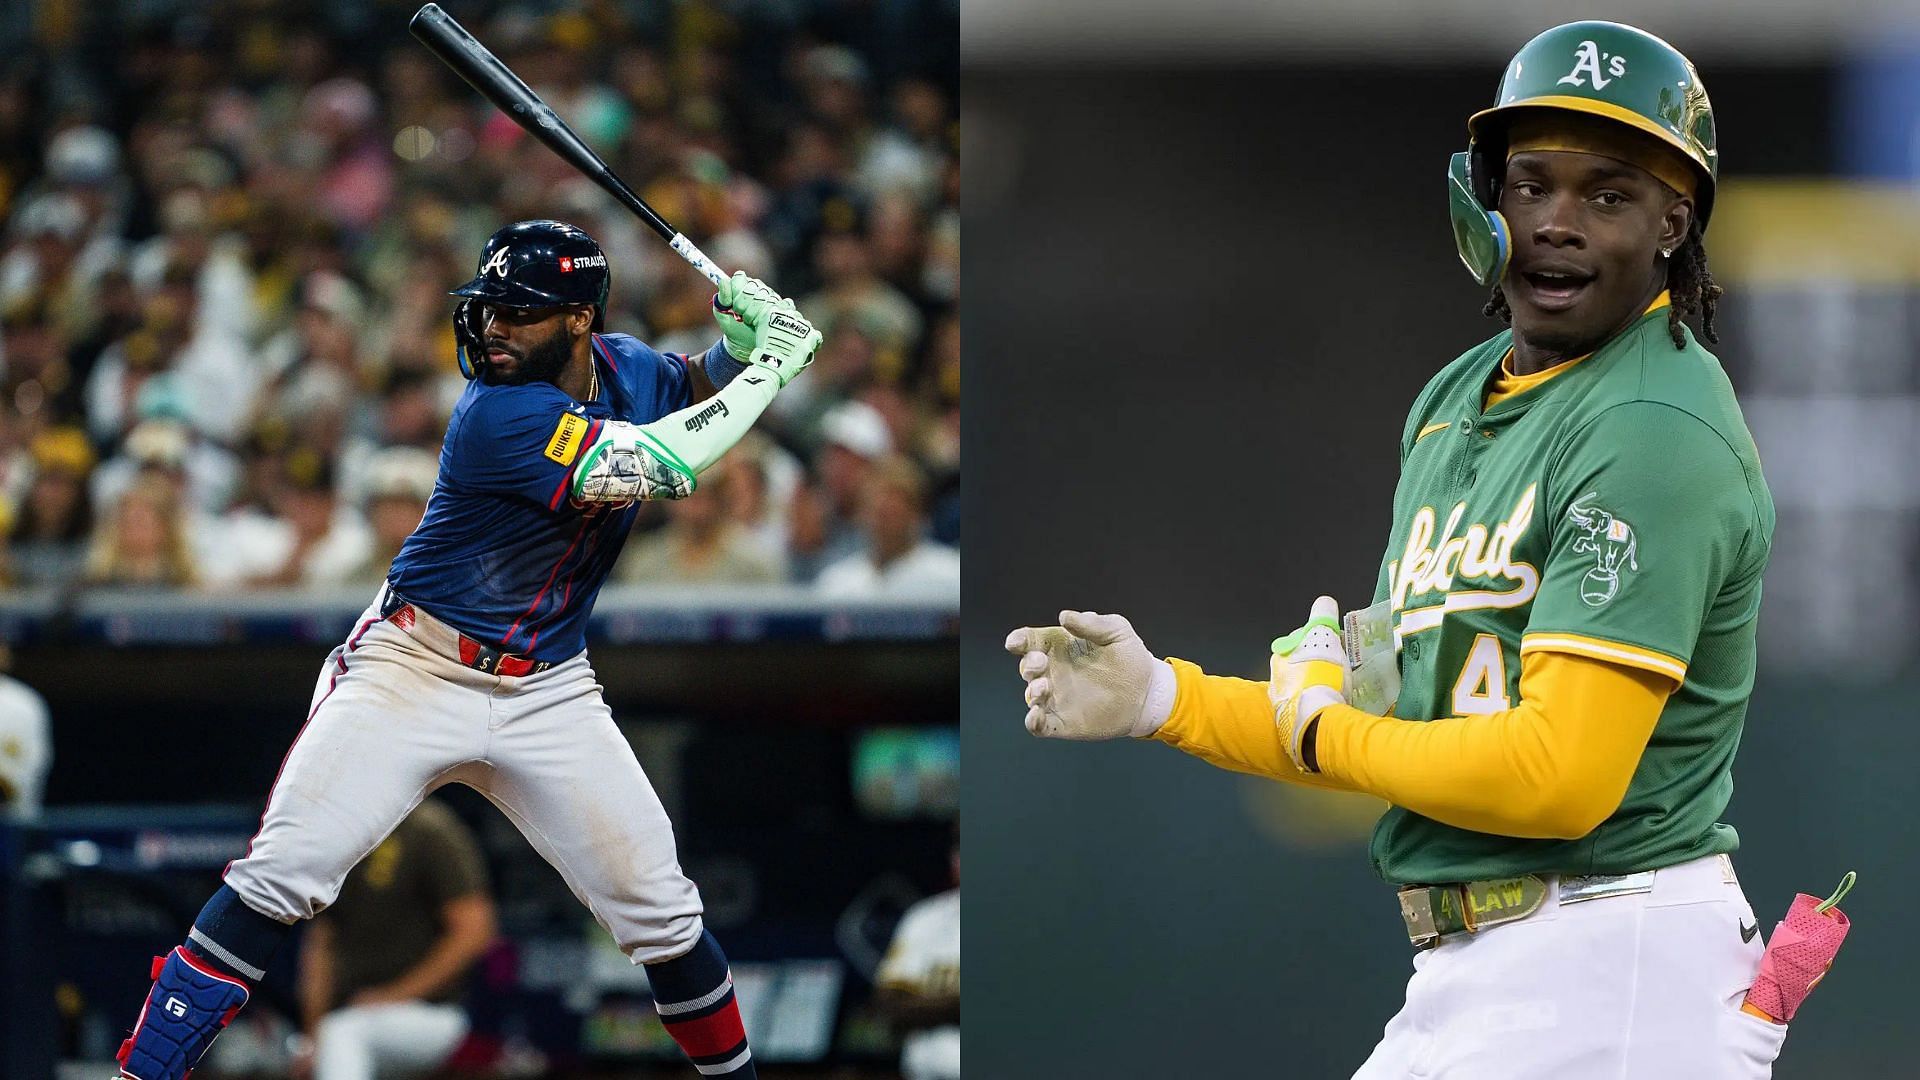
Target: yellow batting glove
column 1310, row 669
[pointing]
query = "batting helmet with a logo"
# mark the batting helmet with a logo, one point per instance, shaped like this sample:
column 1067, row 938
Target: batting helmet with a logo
column 532, row 264
column 1609, row 70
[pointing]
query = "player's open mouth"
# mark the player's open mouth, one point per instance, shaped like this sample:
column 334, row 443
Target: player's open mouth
column 1557, row 289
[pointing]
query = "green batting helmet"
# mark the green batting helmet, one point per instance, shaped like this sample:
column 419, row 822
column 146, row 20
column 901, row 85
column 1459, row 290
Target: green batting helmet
column 1604, row 69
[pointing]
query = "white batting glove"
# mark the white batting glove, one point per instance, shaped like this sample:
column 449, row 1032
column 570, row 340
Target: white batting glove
column 1091, row 678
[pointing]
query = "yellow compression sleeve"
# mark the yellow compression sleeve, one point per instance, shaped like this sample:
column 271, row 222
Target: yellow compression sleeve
column 1553, row 767
column 1229, row 722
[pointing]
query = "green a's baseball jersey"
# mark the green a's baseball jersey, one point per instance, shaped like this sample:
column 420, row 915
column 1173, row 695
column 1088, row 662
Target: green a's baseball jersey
column 1615, row 511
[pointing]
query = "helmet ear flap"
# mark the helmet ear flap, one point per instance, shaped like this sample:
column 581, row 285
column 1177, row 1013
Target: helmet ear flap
column 469, row 346
column 1479, row 231
column 1486, row 171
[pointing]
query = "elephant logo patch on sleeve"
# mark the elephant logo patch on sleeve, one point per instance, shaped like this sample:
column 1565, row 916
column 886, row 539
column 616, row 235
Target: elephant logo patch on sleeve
column 1613, row 545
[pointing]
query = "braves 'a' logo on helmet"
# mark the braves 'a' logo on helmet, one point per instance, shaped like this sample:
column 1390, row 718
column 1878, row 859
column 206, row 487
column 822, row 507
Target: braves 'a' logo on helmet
column 497, row 264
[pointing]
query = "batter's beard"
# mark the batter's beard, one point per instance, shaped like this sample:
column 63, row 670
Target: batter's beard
column 543, row 363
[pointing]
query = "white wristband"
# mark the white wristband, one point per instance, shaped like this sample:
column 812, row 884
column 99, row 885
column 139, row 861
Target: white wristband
column 1162, row 687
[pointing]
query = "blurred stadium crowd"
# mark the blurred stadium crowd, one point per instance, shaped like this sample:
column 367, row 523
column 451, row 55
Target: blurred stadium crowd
column 226, row 360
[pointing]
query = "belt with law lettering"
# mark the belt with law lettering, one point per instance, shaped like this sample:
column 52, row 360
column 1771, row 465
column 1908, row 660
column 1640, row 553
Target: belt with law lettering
column 1433, row 912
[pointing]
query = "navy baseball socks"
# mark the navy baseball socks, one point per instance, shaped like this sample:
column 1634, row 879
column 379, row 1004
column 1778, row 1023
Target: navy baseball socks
column 694, row 995
column 199, row 987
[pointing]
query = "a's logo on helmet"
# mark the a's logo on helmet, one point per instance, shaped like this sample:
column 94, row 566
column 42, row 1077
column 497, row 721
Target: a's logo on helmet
column 1586, row 64
column 497, row 263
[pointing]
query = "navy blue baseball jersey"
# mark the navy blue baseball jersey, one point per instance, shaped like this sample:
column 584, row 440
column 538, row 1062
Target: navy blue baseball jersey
column 502, row 555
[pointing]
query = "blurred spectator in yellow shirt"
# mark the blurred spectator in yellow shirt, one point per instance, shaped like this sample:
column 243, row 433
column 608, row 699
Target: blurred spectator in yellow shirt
column 51, row 526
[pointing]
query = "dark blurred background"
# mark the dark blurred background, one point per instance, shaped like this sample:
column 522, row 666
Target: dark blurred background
column 226, row 234
column 1212, row 268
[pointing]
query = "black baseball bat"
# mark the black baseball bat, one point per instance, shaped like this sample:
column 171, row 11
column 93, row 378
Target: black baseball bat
column 443, row 35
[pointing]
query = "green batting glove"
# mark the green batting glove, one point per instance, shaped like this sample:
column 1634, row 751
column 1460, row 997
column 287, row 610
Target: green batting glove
column 785, row 343
column 740, row 307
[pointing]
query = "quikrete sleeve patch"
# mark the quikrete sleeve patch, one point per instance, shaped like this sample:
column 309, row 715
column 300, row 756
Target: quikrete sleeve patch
column 565, row 444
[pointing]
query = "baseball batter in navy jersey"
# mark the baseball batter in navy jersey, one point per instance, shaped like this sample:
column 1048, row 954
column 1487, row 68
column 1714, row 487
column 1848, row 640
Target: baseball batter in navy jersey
column 470, row 665
column 521, row 571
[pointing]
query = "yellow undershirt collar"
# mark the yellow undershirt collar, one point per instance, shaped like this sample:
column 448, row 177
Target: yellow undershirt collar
column 1506, row 384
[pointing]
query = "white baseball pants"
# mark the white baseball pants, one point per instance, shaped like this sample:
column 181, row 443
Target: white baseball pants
column 362, row 1042
column 395, row 716
column 1643, row 986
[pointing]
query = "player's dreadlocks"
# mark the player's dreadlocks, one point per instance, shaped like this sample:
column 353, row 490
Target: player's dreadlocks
column 1689, row 283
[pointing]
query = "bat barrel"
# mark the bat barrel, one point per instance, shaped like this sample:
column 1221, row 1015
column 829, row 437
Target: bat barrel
column 443, row 35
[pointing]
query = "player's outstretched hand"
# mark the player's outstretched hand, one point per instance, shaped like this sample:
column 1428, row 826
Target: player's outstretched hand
column 785, row 343
column 740, row 306
column 1086, row 678
column 1309, row 673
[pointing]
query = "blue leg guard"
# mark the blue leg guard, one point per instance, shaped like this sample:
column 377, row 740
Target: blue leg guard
column 191, row 1003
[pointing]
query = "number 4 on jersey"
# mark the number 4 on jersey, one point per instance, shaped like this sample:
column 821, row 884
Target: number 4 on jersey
column 1482, row 685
